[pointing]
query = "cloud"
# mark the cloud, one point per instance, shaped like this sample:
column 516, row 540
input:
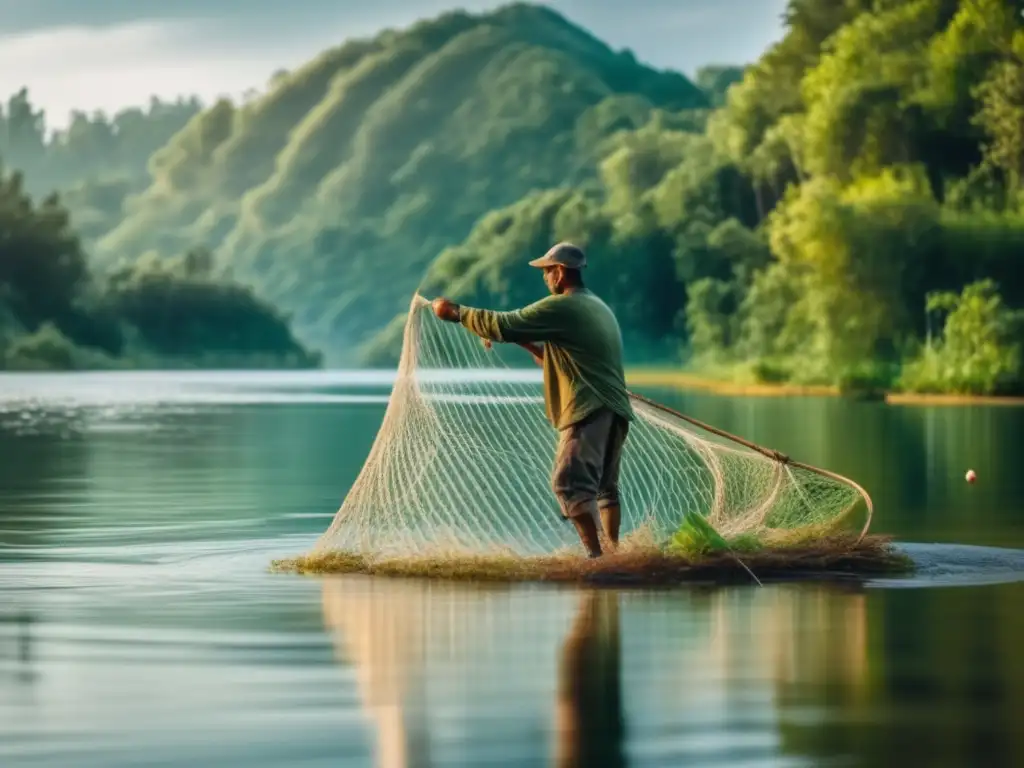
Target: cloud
column 108, row 64
column 106, row 68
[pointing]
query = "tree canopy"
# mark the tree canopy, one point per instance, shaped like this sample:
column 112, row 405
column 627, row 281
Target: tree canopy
column 865, row 171
column 333, row 190
column 55, row 313
column 847, row 209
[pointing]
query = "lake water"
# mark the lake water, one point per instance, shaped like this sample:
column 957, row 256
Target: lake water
column 139, row 625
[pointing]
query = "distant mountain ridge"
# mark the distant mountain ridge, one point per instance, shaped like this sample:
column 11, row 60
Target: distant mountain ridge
column 333, row 192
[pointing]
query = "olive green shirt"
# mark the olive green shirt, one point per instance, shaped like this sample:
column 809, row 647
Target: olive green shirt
column 582, row 344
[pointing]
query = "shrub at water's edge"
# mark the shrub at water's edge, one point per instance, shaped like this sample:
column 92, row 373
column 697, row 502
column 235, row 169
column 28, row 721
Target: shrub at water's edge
column 55, row 314
column 975, row 351
column 978, row 351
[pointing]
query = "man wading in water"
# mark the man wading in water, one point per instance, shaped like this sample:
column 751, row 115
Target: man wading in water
column 584, row 386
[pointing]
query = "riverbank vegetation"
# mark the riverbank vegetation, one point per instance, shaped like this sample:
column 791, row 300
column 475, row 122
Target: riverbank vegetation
column 56, row 314
column 844, row 213
column 852, row 217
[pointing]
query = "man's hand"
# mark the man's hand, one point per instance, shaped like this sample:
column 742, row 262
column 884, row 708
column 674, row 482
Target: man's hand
column 446, row 310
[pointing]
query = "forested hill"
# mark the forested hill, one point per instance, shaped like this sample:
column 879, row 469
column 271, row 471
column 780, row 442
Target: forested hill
column 852, row 215
column 96, row 162
column 333, row 191
column 848, row 209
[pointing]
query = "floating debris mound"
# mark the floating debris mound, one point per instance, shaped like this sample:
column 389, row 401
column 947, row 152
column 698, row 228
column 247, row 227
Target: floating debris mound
column 691, row 556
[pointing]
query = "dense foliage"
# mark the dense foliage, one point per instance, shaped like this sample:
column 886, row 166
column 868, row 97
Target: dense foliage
column 332, row 191
column 54, row 314
column 883, row 143
column 848, row 209
column 96, row 162
column 861, row 177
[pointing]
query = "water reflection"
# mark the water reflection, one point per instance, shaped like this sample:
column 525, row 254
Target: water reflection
column 152, row 476
column 421, row 654
column 380, row 632
column 777, row 676
column 38, row 472
column 16, row 648
column 135, row 535
column 911, row 460
column 553, row 664
column 589, row 724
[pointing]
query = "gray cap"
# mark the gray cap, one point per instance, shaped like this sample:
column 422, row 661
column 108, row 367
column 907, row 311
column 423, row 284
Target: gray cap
column 563, row 254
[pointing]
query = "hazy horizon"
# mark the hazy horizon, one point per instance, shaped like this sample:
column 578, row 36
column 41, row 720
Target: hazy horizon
column 87, row 56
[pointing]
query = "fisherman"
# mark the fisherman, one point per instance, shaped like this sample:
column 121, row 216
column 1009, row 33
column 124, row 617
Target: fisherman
column 575, row 338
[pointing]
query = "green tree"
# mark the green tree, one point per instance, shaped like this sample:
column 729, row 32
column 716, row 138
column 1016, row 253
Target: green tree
column 180, row 311
column 715, row 80
column 54, row 314
column 1001, row 115
column 710, row 318
column 42, row 267
column 979, row 350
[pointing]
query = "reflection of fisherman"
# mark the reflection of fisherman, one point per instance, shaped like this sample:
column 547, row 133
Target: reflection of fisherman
column 384, row 630
column 384, row 636
column 24, row 672
column 588, row 713
column 584, row 385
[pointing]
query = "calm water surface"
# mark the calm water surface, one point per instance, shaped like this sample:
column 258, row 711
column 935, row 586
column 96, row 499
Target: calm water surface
column 139, row 625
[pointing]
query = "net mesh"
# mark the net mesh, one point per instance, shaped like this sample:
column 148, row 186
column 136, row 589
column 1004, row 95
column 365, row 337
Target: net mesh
column 463, row 460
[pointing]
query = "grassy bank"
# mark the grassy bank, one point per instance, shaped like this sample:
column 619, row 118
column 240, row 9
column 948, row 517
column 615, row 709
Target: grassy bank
column 739, row 385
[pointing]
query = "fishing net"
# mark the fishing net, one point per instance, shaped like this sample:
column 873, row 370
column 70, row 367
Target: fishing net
column 463, row 460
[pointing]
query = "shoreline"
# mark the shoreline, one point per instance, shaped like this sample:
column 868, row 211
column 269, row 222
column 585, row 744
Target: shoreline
column 692, row 382
column 697, row 383
column 683, row 381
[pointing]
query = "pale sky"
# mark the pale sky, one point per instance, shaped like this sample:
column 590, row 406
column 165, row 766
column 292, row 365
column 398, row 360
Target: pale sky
column 107, row 54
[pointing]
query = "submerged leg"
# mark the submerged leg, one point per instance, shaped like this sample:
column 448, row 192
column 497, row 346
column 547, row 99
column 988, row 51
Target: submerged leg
column 575, row 479
column 587, row 530
column 611, row 518
column 608, row 488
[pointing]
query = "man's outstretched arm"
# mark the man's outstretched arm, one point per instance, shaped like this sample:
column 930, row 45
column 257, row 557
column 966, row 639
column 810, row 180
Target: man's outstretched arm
column 539, row 322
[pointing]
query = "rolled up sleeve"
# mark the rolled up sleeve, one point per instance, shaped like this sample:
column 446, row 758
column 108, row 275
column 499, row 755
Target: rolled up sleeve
column 538, row 322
